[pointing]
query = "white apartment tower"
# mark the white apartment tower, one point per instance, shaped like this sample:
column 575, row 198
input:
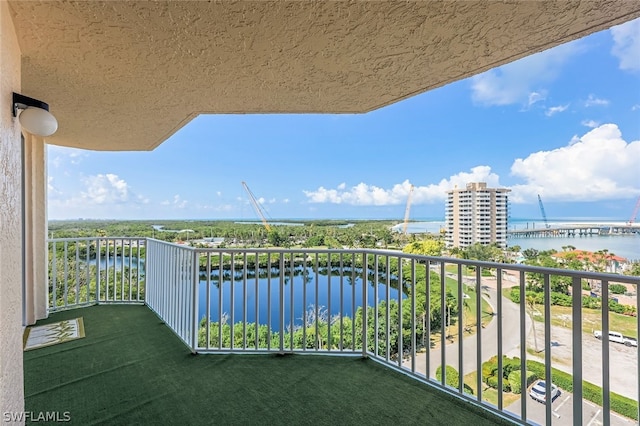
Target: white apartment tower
column 477, row 214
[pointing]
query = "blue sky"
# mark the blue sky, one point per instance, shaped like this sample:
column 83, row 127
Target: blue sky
column 564, row 123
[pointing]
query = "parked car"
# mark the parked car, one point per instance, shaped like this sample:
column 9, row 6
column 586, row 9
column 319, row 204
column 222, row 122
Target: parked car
column 614, row 336
column 539, row 391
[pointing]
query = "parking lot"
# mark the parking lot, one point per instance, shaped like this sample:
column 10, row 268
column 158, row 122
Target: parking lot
column 562, row 412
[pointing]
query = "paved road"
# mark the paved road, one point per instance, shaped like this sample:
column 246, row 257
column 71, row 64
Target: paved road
column 489, row 340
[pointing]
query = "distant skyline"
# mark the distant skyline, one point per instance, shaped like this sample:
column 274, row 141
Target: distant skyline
column 564, row 123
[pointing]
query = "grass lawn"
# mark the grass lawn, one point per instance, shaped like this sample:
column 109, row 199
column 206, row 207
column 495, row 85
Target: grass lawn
column 468, row 311
column 490, row 394
column 591, row 320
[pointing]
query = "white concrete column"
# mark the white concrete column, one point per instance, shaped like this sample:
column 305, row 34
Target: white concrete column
column 35, row 221
column 11, row 266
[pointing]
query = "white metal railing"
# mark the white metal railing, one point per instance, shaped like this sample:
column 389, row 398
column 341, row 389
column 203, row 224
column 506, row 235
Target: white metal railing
column 86, row 271
column 171, row 274
column 416, row 314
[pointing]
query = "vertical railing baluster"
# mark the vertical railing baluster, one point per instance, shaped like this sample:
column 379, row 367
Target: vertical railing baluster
column 232, row 304
column 400, row 342
column 479, row 326
column 637, row 287
column 195, row 275
column 281, row 304
column 257, row 300
column 122, row 274
column 106, row 270
column 77, row 271
column 98, row 270
column 269, row 307
column 220, row 298
column 606, row 380
column 291, row 300
column 130, row 265
column 427, row 320
column 329, row 276
column 304, row 301
column 66, row 273
column 376, row 296
column 460, row 297
column 341, row 308
column 87, row 263
column 54, row 282
column 523, row 340
column 317, row 344
column 413, row 316
column 499, row 342
column 365, row 304
column 547, row 348
column 576, row 331
column 354, row 262
column 244, row 301
column 388, row 310
column 138, row 268
column 444, row 315
column 207, row 311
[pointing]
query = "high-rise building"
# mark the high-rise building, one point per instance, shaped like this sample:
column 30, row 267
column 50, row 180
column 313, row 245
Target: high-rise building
column 477, row 214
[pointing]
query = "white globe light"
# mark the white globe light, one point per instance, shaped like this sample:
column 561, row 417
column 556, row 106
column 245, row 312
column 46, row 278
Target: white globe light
column 38, row 121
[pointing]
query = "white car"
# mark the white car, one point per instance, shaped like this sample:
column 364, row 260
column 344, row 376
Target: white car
column 539, row 391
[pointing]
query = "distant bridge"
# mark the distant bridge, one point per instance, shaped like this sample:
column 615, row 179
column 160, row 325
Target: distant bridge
column 575, row 231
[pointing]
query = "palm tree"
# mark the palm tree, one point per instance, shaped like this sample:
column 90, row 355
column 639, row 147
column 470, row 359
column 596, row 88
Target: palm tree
column 530, row 300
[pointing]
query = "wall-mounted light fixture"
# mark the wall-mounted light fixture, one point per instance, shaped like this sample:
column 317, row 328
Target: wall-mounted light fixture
column 35, row 117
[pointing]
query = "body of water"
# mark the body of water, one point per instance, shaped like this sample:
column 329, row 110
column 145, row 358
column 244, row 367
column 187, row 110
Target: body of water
column 118, row 262
column 627, row 246
column 301, row 289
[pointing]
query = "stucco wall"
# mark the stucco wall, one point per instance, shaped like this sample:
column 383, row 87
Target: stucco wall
column 11, row 372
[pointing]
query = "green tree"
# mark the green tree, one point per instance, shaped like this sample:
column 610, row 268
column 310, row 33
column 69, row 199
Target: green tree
column 427, row 247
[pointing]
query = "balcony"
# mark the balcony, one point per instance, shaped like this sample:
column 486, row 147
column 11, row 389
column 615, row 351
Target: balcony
column 377, row 324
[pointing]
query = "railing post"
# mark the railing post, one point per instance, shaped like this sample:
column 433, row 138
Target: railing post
column 98, row 248
column 576, row 293
column 194, row 300
column 364, row 304
column 281, row 304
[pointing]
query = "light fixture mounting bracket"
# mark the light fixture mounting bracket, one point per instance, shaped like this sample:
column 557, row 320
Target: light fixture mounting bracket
column 22, row 102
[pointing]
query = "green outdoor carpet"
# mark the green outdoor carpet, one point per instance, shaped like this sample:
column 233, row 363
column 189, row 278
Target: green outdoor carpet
column 131, row 369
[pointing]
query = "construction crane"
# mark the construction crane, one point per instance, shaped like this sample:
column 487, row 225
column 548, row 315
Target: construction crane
column 544, row 215
column 406, row 211
column 635, row 213
column 257, row 207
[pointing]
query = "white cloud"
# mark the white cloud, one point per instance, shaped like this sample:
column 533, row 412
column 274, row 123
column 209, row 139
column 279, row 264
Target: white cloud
column 177, row 202
column 371, row 195
column 60, row 156
column 219, row 193
column 523, row 81
column 597, row 166
column 105, row 189
column 536, row 97
column 52, row 191
column 635, row 107
column 626, row 45
column 556, row 109
column 593, row 101
column 590, row 123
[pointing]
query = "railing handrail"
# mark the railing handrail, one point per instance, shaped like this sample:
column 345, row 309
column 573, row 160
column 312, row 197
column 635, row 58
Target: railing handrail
column 179, row 283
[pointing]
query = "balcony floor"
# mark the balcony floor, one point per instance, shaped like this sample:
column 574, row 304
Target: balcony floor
column 131, row 369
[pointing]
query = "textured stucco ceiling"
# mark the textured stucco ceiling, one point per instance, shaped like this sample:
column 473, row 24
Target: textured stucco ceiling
column 127, row 75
